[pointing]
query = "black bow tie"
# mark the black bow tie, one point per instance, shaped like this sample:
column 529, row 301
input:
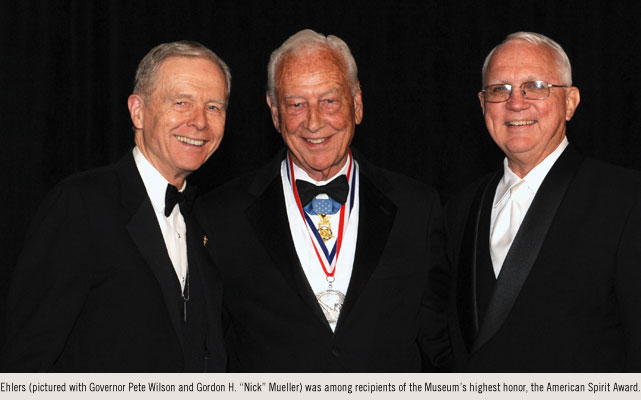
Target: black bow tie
column 336, row 189
column 184, row 199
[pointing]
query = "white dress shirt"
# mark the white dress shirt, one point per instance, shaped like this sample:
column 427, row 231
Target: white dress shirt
column 173, row 228
column 303, row 241
column 533, row 180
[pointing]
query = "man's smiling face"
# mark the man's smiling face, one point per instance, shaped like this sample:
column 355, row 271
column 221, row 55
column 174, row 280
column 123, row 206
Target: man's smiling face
column 183, row 121
column 527, row 130
column 316, row 111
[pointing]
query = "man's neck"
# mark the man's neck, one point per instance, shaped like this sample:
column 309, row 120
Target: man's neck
column 178, row 180
column 523, row 171
column 521, row 166
column 320, row 177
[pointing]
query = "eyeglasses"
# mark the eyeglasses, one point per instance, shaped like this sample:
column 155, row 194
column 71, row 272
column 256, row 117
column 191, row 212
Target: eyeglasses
column 536, row 90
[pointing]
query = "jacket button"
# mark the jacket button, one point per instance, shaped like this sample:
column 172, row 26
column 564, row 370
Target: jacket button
column 336, row 353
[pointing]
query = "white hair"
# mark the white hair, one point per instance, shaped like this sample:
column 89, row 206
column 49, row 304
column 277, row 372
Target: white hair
column 308, row 39
column 562, row 60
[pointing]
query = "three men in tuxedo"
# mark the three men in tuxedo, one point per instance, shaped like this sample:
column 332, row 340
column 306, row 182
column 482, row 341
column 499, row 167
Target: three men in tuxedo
column 328, row 262
column 545, row 253
column 113, row 276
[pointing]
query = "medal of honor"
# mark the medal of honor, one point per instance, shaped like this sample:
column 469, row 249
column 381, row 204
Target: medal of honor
column 325, row 228
column 330, row 300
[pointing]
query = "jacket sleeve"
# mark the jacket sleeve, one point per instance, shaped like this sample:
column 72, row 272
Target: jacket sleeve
column 50, row 283
column 628, row 287
column 435, row 341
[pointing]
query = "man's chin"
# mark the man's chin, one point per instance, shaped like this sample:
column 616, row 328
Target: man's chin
column 519, row 146
column 319, row 170
column 189, row 167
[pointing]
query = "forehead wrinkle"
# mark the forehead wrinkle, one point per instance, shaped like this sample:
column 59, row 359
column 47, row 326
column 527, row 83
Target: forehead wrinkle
column 305, row 63
column 295, row 77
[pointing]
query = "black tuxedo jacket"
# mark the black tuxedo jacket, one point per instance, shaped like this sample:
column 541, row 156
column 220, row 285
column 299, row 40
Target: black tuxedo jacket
column 394, row 310
column 95, row 291
column 568, row 297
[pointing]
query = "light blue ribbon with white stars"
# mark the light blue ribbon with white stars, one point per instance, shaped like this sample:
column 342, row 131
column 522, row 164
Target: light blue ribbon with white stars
column 322, row 206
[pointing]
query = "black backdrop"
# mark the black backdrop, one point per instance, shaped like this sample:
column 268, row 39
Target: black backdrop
column 67, row 68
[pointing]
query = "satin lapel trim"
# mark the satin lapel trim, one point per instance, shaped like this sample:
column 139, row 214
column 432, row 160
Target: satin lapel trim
column 527, row 244
column 268, row 217
column 376, row 217
column 145, row 232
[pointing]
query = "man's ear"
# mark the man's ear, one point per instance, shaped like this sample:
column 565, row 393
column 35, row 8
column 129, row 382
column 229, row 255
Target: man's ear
column 358, row 104
column 136, row 110
column 572, row 99
column 482, row 100
column 273, row 109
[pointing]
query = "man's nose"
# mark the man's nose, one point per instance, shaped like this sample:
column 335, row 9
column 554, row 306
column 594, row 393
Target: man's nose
column 517, row 100
column 314, row 120
column 198, row 118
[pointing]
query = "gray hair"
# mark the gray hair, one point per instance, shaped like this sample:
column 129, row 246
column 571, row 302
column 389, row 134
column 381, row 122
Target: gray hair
column 145, row 80
column 562, row 60
column 307, row 39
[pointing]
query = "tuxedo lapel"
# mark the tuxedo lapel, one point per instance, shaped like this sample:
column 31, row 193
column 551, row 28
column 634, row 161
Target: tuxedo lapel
column 472, row 246
column 376, row 217
column 202, row 269
column 527, row 244
column 145, row 232
column 268, row 218
column 197, row 258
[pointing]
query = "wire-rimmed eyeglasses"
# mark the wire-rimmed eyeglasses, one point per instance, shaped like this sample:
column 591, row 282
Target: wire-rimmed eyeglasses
column 535, row 90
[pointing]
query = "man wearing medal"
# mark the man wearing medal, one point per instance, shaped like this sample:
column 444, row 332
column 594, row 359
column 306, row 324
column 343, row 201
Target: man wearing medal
column 328, row 262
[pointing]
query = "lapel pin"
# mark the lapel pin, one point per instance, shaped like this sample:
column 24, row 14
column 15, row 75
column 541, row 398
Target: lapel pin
column 205, row 240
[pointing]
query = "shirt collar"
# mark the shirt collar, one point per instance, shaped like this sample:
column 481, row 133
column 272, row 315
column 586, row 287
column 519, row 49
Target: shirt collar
column 533, row 179
column 155, row 183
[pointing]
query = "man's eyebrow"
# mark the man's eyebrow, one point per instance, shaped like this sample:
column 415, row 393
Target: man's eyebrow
column 330, row 91
column 180, row 96
column 216, row 100
column 529, row 78
column 191, row 97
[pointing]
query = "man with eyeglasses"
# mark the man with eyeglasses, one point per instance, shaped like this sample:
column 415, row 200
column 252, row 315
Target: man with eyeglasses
column 545, row 253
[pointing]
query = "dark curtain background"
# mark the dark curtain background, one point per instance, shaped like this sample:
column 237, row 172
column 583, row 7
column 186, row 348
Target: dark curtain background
column 67, row 68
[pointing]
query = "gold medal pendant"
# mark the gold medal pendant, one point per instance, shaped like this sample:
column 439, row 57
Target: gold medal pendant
column 325, row 228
